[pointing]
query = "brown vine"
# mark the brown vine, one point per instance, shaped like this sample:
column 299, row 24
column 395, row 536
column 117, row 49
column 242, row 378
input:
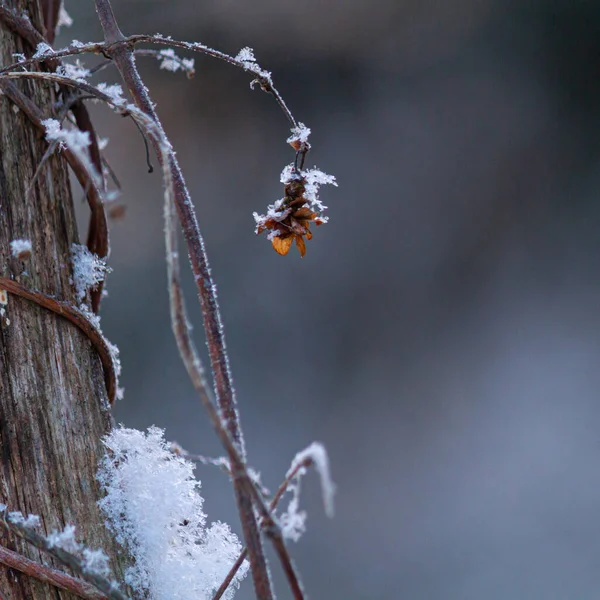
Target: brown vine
column 79, row 319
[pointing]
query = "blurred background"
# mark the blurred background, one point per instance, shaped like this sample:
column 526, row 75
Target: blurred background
column 442, row 335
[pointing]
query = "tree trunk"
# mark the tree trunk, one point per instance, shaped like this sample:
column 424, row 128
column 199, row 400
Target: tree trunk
column 53, row 405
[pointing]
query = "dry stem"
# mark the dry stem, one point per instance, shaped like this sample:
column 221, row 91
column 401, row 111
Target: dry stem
column 244, row 553
column 14, row 560
column 63, row 556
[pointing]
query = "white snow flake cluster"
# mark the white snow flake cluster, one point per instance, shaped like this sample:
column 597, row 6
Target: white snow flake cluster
column 64, row 539
column 273, row 212
column 93, row 561
column 64, row 20
column 300, row 134
column 318, row 455
column 74, row 71
column 312, row 179
column 88, row 269
column 171, row 62
column 42, row 50
column 78, row 141
column 293, row 520
column 154, row 508
column 114, row 91
column 246, row 58
column 20, row 249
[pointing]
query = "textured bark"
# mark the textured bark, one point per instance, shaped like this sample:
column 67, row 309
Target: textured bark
column 53, row 405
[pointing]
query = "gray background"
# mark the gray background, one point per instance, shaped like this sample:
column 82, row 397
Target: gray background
column 441, row 336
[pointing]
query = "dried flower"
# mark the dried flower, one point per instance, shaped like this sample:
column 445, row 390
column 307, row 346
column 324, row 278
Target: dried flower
column 289, row 219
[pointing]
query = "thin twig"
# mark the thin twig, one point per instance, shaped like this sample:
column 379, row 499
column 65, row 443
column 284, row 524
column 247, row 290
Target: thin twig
column 14, row 560
column 114, row 36
column 190, row 357
column 108, row 47
column 244, row 553
column 68, row 559
column 195, row 370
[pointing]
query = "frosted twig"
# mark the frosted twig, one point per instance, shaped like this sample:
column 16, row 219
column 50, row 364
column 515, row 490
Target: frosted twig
column 194, row 367
column 14, row 560
column 20, row 528
column 273, row 504
column 221, row 462
column 195, row 370
column 22, row 26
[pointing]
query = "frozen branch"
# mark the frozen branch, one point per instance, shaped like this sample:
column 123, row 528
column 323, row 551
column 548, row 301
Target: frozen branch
column 25, row 529
column 14, row 560
column 242, row 557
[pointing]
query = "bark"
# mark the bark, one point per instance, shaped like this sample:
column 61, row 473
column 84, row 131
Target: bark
column 53, row 405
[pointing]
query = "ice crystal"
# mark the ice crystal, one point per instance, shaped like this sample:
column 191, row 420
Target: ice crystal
column 88, row 270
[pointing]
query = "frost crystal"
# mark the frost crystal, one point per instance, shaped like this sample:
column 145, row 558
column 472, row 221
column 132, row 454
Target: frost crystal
column 31, row 521
column 273, row 212
column 95, row 561
column 75, row 139
column 42, row 50
column 21, row 249
column 64, row 20
column 88, row 270
column 114, row 92
column 293, row 521
column 154, row 508
column 92, row 561
column 75, row 71
column 64, row 539
column 246, row 57
column 299, row 134
column 313, row 179
column 318, row 455
column 171, row 62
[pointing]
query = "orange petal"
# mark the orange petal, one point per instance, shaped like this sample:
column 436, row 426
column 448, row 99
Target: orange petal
column 308, row 233
column 304, row 213
column 282, row 245
column 301, row 245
